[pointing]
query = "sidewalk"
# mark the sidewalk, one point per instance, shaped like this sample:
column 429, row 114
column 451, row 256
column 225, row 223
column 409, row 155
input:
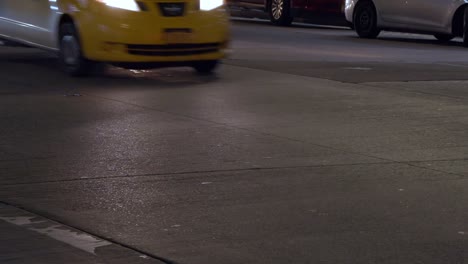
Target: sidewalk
column 27, row 238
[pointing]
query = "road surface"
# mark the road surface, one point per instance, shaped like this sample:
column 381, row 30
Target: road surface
column 309, row 146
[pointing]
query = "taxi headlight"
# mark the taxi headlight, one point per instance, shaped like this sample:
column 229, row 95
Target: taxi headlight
column 207, row 5
column 130, row 5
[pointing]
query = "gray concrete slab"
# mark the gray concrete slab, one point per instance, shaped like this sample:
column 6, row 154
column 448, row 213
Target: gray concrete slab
column 391, row 124
column 262, row 163
column 332, row 214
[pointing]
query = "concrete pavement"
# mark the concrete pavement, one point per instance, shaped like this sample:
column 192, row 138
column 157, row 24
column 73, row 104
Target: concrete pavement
column 275, row 160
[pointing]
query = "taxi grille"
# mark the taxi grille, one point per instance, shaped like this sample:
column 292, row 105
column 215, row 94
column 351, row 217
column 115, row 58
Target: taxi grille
column 173, row 49
column 172, row 9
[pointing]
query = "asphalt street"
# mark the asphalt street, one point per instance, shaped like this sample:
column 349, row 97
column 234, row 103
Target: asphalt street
column 309, row 145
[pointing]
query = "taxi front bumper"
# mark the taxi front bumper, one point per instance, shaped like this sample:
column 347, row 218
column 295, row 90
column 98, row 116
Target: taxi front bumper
column 119, row 36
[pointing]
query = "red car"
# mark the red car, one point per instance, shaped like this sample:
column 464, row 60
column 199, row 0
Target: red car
column 283, row 12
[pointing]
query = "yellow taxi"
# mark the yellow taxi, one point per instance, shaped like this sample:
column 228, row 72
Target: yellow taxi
column 126, row 33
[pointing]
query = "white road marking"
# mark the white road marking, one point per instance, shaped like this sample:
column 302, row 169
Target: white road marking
column 78, row 240
column 59, row 232
column 20, row 220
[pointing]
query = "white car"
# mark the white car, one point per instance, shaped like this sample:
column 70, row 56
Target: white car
column 445, row 19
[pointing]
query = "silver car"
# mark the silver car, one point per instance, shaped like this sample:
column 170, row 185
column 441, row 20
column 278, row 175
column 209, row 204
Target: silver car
column 445, row 19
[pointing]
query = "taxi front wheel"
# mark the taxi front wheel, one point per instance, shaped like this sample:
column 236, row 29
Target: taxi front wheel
column 71, row 57
column 205, row 67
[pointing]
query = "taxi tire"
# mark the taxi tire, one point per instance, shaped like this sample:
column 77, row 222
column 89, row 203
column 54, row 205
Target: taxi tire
column 205, row 67
column 285, row 19
column 465, row 28
column 82, row 66
column 365, row 20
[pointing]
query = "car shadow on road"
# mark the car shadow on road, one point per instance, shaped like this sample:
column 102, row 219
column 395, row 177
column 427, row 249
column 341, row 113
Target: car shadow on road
column 296, row 24
column 41, row 70
column 413, row 40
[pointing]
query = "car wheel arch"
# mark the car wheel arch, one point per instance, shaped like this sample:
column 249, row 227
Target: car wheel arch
column 267, row 5
column 458, row 20
column 64, row 18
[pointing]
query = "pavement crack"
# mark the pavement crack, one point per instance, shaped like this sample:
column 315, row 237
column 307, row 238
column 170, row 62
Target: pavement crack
column 373, row 85
column 408, row 163
column 195, row 172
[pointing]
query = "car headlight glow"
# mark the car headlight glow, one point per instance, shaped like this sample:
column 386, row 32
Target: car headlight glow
column 207, row 5
column 130, row 5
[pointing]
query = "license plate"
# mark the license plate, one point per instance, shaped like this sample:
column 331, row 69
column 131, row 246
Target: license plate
column 178, row 36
